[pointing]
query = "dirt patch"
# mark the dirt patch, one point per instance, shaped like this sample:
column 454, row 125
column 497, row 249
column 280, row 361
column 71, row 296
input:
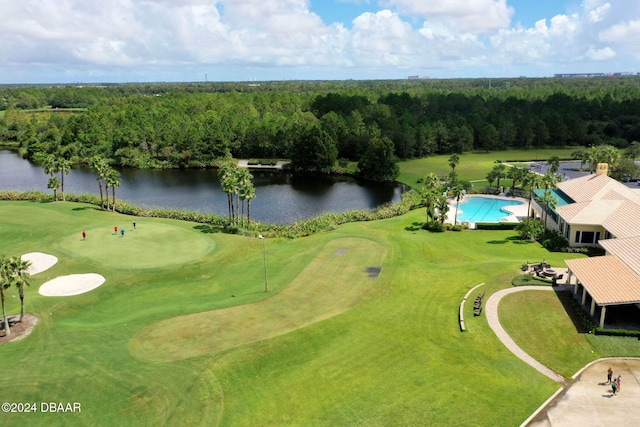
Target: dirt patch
column 373, row 272
column 19, row 330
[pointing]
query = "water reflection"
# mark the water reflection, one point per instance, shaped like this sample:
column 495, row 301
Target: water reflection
column 280, row 197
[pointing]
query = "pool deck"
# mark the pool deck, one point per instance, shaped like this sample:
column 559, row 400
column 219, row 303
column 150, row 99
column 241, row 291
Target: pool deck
column 518, row 212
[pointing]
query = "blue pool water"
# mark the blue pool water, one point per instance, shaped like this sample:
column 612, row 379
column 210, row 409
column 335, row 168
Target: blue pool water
column 484, row 209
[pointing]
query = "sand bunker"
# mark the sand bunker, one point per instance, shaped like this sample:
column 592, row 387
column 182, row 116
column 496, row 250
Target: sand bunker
column 73, row 284
column 39, row 262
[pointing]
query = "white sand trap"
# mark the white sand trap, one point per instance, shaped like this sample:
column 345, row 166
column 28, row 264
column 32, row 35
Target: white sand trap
column 73, row 284
column 39, row 262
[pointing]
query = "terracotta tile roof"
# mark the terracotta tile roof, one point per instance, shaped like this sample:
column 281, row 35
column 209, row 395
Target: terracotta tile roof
column 611, row 205
column 626, row 249
column 585, row 188
column 592, row 187
column 607, row 279
column 625, row 221
column 595, row 212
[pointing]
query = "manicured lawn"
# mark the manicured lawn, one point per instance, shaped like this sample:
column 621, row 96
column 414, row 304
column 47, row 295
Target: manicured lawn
column 330, row 284
column 328, row 345
column 473, row 166
column 570, row 350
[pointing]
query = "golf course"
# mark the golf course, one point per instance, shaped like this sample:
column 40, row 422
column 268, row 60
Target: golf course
column 359, row 326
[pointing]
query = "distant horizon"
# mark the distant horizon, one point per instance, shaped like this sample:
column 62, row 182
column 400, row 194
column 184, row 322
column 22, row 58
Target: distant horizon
column 585, row 75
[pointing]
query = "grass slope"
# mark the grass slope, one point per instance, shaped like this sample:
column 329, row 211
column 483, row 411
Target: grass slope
column 394, row 358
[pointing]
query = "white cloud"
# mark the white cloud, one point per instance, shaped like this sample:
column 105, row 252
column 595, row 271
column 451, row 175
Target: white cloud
column 629, row 31
column 603, row 54
column 597, row 13
column 475, row 16
column 448, row 37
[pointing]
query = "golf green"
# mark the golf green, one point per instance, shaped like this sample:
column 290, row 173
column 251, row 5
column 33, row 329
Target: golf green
column 151, row 245
column 333, row 282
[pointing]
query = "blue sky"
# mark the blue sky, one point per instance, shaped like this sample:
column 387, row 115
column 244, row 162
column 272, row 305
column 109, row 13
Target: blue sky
column 53, row 41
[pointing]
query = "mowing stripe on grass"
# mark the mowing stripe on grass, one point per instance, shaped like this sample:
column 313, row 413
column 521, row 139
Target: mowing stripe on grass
column 333, row 282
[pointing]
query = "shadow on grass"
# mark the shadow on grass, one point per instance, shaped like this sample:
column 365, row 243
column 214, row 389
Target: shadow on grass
column 518, row 241
column 414, row 226
column 569, row 305
column 513, row 239
column 86, row 208
column 208, row 229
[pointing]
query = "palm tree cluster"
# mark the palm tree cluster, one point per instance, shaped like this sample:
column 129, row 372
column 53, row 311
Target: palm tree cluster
column 53, row 165
column 605, row 154
column 497, row 173
column 236, row 182
column 109, row 177
column 13, row 272
column 434, row 198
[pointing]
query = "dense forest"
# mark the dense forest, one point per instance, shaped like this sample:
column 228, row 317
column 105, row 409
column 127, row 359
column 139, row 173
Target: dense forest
column 315, row 124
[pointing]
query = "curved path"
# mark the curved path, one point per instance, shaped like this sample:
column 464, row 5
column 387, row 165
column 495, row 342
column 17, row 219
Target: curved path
column 588, row 399
column 491, row 312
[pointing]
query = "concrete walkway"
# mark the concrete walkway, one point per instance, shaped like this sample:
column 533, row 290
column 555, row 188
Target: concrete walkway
column 588, row 400
column 491, row 310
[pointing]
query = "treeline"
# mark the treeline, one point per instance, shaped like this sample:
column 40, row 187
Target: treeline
column 317, row 124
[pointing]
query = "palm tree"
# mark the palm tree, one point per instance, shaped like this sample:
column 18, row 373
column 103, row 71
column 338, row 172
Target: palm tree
column 603, row 154
column 532, row 180
column 442, row 204
column 429, row 192
column 20, row 270
column 250, row 194
column 549, row 202
column 498, row 171
column 633, row 150
column 50, row 165
column 491, row 176
column 579, row 154
column 112, row 180
column 454, row 159
column 554, row 161
column 516, row 174
column 5, row 282
column 549, row 180
column 54, row 184
column 457, row 193
column 99, row 165
column 64, row 167
column 611, row 156
column 245, row 189
column 229, row 182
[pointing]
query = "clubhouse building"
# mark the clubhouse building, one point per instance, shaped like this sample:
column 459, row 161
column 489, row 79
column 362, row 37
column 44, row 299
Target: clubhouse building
column 596, row 210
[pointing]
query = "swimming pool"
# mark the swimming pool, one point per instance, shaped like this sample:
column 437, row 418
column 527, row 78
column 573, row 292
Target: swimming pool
column 484, row 209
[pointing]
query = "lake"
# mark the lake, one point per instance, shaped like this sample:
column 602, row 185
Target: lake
column 281, row 198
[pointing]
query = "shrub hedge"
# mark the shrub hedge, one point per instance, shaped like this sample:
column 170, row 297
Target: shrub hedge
column 326, row 222
column 616, row 332
column 496, row 225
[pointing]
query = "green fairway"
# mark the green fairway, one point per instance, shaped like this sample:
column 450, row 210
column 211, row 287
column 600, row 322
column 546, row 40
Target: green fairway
column 473, row 166
column 334, row 281
column 182, row 332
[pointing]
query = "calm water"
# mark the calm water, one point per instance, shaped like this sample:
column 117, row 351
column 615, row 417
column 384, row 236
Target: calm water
column 280, row 198
column 483, row 209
